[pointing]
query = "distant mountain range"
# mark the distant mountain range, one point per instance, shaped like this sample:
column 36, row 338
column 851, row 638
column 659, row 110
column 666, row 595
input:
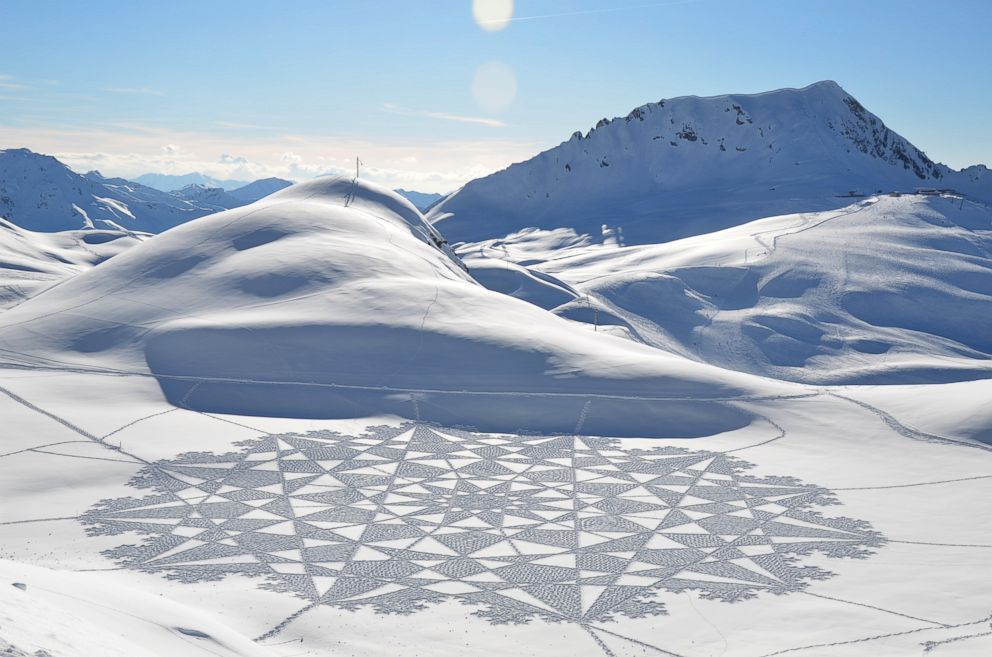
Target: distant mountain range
column 220, row 199
column 187, row 184
column 39, row 193
column 692, row 165
column 167, row 183
column 420, row 199
column 667, row 170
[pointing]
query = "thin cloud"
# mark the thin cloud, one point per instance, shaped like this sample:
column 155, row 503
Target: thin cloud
column 232, row 125
column 8, row 82
column 445, row 116
column 138, row 91
column 140, row 128
column 129, row 150
column 478, row 120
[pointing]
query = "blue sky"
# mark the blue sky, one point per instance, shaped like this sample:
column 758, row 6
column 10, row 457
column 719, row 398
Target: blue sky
column 295, row 88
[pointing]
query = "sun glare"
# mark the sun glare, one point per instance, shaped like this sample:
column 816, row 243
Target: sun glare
column 492, row 15
column 494, row 86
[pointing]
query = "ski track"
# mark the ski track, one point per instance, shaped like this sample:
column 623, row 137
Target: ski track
column 876, row 637
column 886, row 418
column 929, row 646
column 84, row 369
column 637, row 642
column 905, row 430
column 282, row 625
column 876, row 608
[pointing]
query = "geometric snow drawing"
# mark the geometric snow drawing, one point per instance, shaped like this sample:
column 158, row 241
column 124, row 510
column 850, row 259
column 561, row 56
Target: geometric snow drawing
column 572, row 528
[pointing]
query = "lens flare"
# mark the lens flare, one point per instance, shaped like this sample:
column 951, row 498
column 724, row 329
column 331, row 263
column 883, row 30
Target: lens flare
column 492, row 15
column 494, row 86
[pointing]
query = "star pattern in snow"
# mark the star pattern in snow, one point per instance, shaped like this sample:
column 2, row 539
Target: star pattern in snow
column 570, row 528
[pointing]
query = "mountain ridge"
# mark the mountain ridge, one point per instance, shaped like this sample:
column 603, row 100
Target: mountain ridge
column 166, row 182
column 40, row 193
column 694, row 164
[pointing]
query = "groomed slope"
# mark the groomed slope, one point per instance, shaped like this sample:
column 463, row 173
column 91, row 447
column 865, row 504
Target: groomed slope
column 336, row 298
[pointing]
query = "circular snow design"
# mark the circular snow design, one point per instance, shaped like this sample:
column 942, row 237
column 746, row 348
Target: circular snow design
column 570, row 528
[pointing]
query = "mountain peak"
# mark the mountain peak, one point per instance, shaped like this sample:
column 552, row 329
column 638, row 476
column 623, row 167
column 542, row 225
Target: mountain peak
column 19, row 152
column 683, row 165
column 825, row 84
column 25, row 155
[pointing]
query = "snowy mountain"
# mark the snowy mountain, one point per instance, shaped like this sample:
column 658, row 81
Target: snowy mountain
column 422, row 200
column 167, row 182
column 214, row 198
column 218, row 199
column 40, row 193
column 691, row 165
column 259, row 189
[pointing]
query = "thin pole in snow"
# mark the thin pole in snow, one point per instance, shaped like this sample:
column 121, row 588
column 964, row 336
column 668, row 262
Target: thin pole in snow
column 595, row 313
column 358, row 163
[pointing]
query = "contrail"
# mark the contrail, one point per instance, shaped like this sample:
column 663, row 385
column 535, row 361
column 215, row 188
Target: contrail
column 591, row 11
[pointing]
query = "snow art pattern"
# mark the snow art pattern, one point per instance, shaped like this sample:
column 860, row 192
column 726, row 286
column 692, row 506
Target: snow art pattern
column 572, row 529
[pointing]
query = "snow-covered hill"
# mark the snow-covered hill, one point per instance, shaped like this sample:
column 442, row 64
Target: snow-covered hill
column 691, row 165
column 336, row 297
column 31, row 262
column 883, row 291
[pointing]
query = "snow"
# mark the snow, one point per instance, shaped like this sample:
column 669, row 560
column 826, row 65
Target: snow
column 516, row 281
column 926, row 583
column 351, row 275
column 40, row 193
column 695, row 421
column 213, row 198
column 62, row 614
column 31, row 262
column 168, row 183
column 689, row 166
column 887, row 290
